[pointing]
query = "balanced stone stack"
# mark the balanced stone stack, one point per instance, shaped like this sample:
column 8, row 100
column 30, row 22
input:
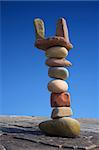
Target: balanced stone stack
column 56, row 49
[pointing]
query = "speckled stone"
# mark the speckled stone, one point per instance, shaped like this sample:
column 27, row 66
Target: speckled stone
column 58, row 72
column 60, row 99
column 59, row 112
column 57, row 86
column 60, row 62
column 56, row 52
column 65, row 127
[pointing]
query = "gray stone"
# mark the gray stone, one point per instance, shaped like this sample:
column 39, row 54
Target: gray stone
column 58, row 72
column 22, row 133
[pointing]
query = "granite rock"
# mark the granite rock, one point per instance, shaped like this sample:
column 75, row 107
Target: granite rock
column 56, row 52
column 57, row 86
column 22, row 133
column 58, row 72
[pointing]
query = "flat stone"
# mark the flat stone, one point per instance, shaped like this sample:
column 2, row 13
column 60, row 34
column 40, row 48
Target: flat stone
column 60, row 99
column 59, row 112
column 60, row 62
column 44, row 44
column 65, row 127
column 56, row 52
column 57, row 86
column 58, row 72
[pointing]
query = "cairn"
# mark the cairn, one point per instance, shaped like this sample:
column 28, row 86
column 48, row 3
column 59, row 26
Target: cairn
column 56, row 50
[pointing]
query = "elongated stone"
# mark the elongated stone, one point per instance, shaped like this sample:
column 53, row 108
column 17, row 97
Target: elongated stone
column 60, row 99
column 44, row 44
column 59, row 112
column 39, row 28
column 56, row 52
column 58, row 72
column 55, row 62
column 64, row 127
column 57, row 86
column 61, row 29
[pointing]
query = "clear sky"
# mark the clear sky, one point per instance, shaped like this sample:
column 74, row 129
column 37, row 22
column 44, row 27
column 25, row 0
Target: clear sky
column 24, row 73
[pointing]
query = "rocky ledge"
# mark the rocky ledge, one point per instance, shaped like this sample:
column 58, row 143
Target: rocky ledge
column 22, row 133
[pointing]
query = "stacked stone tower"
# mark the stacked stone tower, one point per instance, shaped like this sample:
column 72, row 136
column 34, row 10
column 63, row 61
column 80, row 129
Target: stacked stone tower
column 56, row 49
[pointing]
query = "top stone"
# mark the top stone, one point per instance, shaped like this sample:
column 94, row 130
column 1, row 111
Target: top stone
column 61, row 38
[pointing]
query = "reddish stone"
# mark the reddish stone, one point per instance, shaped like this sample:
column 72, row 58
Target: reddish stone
column 62, row 29
column 60, row 99
column 51, row 42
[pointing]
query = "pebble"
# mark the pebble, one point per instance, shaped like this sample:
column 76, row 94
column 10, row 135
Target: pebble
column 58, row 72
column 59, row 112
column 64, row 127
column 60, row 99
column 57, row 86
column 60, row 62
column 56, row 52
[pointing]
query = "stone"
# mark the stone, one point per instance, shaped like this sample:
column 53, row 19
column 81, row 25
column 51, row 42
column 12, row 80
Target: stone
column 58, row 72
column 60, row 99
column 65, row 127
column 56, row 52
column 57, row 86
column 44, row 44
column 59, row 112
column 39, row 28
column 58, row 62
column 62, row 30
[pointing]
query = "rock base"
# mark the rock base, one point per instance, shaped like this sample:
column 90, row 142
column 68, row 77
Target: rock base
column 22, row 133
column 64, row 127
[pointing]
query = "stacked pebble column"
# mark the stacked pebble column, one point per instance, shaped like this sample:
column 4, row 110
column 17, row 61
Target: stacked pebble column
column 60, row 98
column 56, row 49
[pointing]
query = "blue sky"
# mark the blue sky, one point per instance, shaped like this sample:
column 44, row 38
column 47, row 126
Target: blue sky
column 24, row 73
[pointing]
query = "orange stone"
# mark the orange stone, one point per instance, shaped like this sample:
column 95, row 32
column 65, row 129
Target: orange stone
column 60, row 99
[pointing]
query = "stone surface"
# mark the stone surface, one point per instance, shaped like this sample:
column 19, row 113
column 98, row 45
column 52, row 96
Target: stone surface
column 54, row 62
column 39, row 28
column 59, row 112
column 60, row 99
column 44, row 44
column 56, row 52
column 62, row 30
column 58, row 72
column 22, row 133
column 65, row 127
column 57, row 86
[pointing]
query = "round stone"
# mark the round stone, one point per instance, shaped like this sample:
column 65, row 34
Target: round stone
column 58, row 72
column 56, row 52
column 57, row 86
column 64, row 127
column 54, row 62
